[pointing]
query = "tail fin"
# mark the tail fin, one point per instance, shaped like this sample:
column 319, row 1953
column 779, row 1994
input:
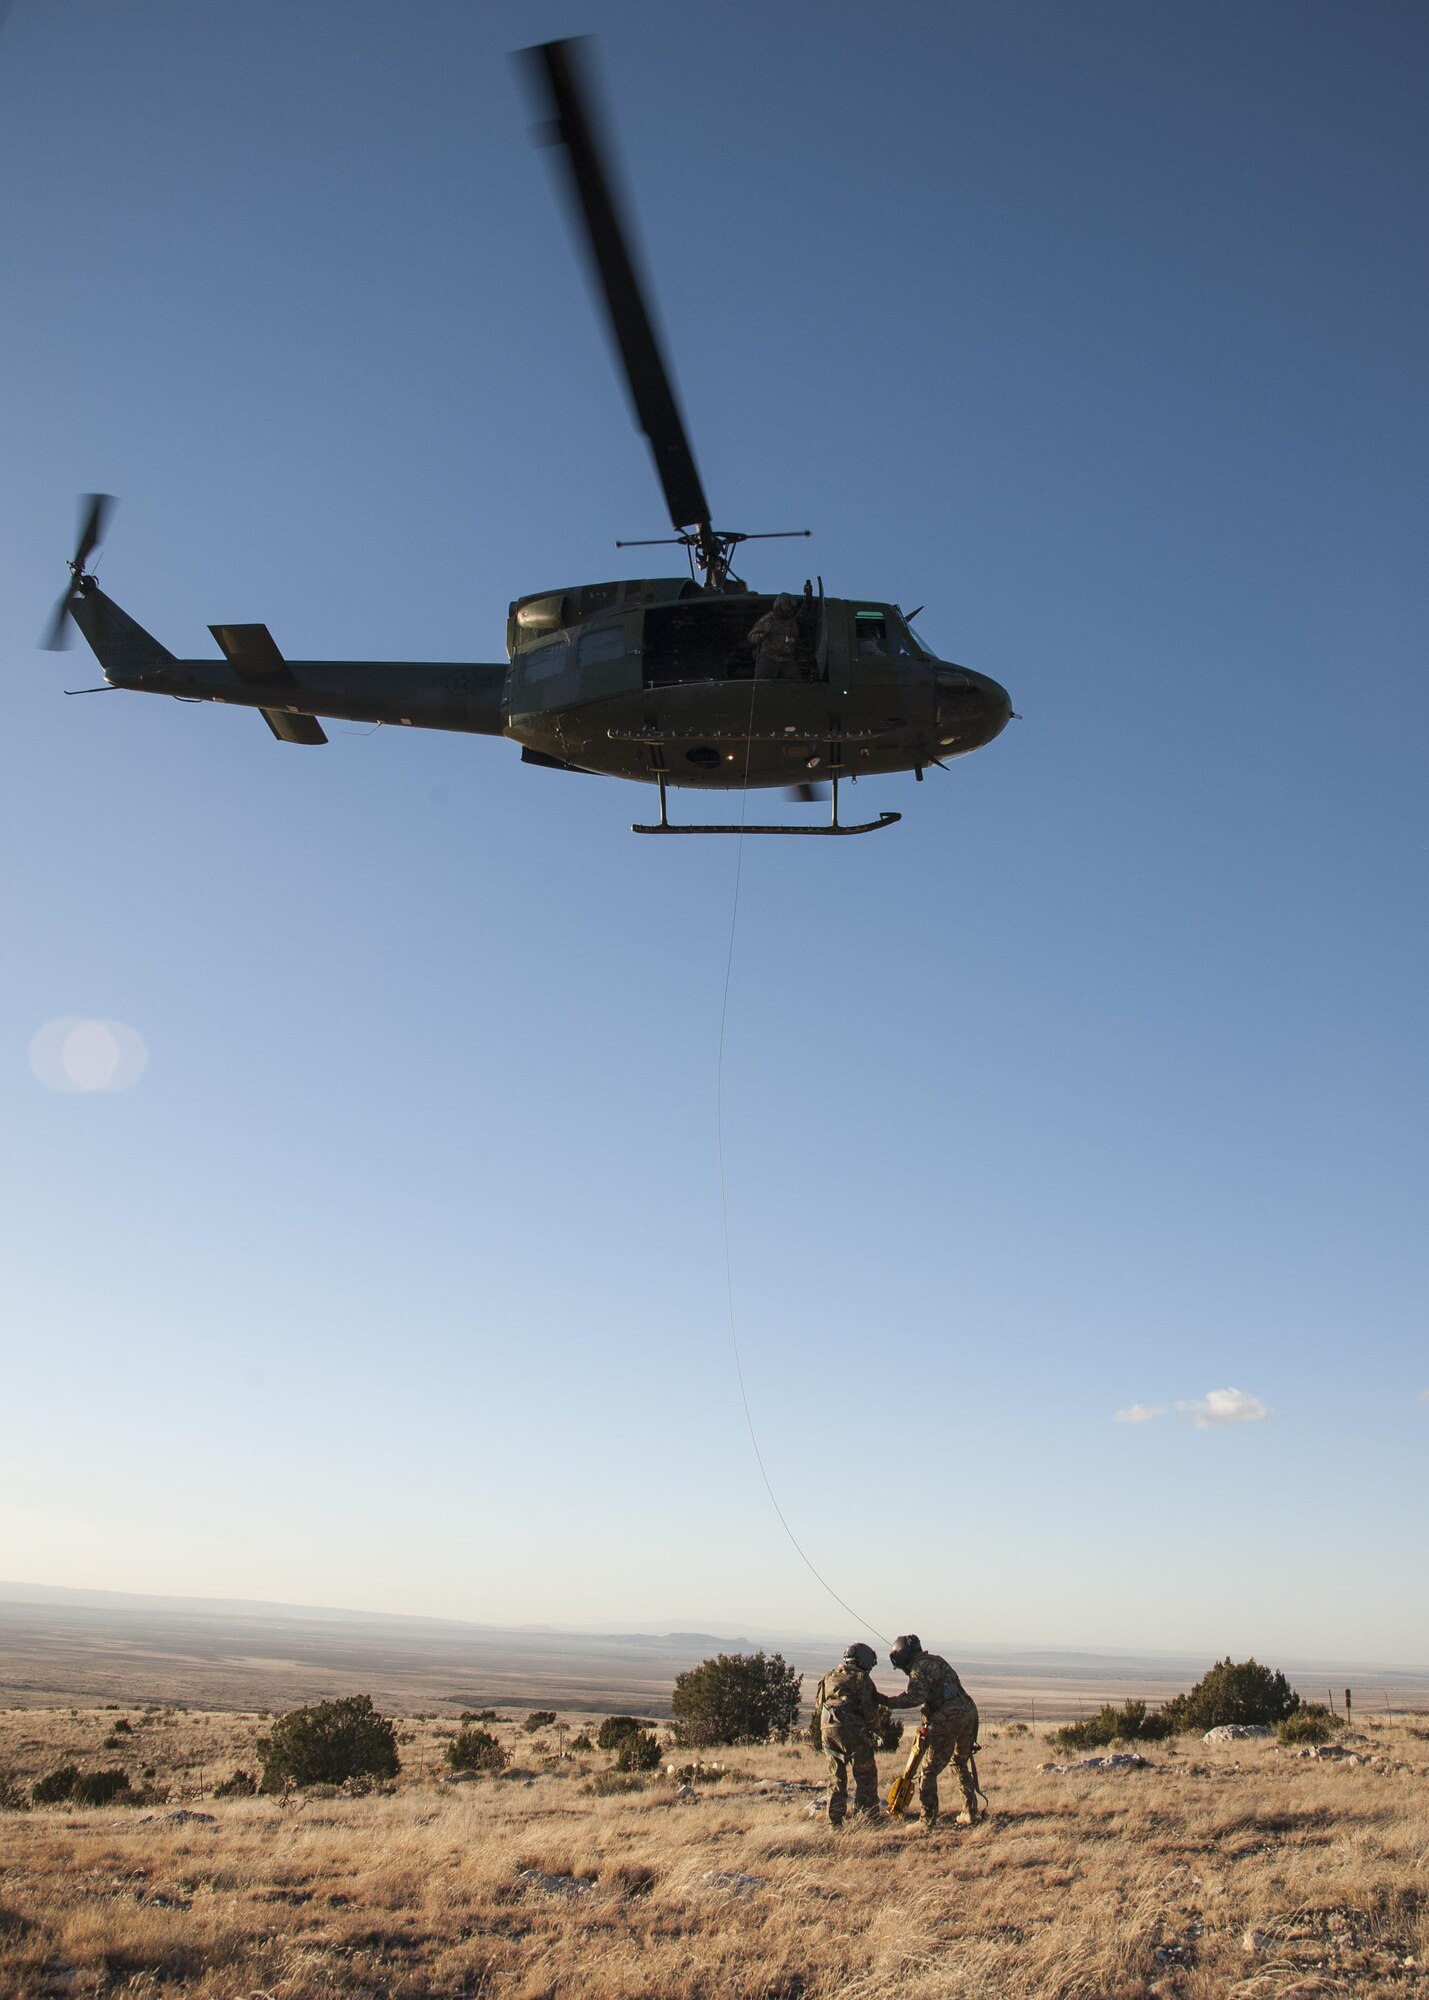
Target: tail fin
column 127, row 653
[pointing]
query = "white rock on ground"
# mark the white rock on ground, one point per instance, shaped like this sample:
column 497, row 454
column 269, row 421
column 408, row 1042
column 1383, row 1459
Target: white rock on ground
column 731, row 1884
column 570, row 1887
column 1120, row 1760
column 1238, row 1732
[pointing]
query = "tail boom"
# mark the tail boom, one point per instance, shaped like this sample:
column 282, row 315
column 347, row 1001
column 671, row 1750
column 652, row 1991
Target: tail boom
column 457, row 695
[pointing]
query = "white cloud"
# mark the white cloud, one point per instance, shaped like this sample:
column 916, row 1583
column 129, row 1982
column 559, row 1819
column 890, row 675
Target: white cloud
column 1224, row 1406
column 1140, row 1413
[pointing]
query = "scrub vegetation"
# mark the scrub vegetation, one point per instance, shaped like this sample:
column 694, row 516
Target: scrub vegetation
column 1246, row 1869
column 1234, row 1691
column 736, row 1698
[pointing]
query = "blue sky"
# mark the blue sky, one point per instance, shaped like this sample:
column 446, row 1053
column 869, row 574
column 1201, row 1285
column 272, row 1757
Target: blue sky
column 396, row 1277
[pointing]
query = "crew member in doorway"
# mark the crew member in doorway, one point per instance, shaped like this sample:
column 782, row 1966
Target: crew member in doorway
column 950, row 1717
column 846, row 1705
column 782, row 643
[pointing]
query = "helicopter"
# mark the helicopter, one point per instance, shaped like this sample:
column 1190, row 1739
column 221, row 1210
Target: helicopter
column 692, row 682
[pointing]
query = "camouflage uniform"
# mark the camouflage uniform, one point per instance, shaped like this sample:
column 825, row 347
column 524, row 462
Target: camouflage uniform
column 847, row 1703
column 951, row 1721
column 781, row 646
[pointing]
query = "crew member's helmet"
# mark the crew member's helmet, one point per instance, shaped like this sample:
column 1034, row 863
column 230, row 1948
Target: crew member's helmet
column 904, row 1651
column 861, row 1656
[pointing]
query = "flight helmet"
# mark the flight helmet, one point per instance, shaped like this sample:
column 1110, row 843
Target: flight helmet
column 904, row 1651
column 861, row 1656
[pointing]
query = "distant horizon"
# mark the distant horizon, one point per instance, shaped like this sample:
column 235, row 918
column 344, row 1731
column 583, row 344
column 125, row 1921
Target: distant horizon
column 990, row 1651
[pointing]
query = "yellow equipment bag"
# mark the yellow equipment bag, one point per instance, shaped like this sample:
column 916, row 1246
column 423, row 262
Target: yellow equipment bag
column 901, row 1793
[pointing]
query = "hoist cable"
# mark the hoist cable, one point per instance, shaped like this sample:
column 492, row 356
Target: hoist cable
column 799, row 1550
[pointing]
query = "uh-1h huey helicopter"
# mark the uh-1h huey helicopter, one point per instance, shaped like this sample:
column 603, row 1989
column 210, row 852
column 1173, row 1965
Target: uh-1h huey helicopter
column 687, row 681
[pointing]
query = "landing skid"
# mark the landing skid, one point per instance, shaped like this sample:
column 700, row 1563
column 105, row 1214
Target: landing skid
column 817, row 832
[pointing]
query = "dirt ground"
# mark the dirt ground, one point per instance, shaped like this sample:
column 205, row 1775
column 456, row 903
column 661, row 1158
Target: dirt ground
column 1220, row 1870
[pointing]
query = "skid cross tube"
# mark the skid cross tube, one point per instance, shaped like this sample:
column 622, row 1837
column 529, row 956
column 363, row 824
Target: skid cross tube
column 834, row 827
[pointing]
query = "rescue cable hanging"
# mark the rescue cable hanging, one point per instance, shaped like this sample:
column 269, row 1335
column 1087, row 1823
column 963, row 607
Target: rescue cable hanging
column 724, row 1215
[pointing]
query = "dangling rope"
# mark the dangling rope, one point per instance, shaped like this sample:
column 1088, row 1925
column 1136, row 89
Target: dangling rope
column 857, row 1617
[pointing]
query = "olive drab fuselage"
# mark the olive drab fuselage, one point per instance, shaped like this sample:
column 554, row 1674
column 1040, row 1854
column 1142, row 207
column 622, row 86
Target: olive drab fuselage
column 655, row 678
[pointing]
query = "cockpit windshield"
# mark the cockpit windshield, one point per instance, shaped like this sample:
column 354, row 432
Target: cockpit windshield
column 920, row 644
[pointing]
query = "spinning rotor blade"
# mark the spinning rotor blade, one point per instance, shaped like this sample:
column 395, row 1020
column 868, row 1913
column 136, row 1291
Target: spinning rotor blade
column 807, row 794
column 95, row 522
column 57, row 633
column 558, row 69
column 91, row 534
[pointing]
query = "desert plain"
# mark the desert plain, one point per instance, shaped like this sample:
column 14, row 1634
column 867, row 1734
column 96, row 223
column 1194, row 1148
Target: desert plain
column 1218, row 1869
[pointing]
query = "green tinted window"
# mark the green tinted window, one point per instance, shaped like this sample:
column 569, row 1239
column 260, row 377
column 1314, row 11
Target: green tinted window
column 870, row 633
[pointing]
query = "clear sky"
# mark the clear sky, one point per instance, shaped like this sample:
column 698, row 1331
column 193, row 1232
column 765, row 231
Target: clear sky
column 394, row 1276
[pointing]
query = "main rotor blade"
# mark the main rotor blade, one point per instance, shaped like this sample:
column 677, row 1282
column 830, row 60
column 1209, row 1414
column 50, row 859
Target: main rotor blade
column 561, row 75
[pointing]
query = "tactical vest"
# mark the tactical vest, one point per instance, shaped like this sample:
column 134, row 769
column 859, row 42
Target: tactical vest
column 943, row 1684
column 832, row 1691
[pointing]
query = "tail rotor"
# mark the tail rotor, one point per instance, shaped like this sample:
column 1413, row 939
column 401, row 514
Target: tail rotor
column 97, row 509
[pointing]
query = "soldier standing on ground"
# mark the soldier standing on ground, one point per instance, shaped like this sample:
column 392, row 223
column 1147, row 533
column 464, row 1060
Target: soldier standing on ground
column 950, row 1718
column 846, row 1703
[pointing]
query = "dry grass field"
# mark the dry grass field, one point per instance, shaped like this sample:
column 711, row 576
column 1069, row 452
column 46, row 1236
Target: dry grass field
column 1221, row 1870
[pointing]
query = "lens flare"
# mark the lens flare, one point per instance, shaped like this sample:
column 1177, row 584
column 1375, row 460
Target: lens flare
column 76, row 1055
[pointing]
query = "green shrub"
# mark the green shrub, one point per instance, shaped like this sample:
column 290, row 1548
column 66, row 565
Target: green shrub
column 100, row 1788
column 476, row 1750
column 582, row 1742
column 1311, row 1722
column 54, row 1789
column 539, row 1718
column 616, row 1728
column 1233, row 1691
column 737, row 1698
column 638, row 1752
column 479, row 1715
column 1129, row 1724
column 242, row 1785
column 122, row 1728
column 889, row 1733
column 329, row 1743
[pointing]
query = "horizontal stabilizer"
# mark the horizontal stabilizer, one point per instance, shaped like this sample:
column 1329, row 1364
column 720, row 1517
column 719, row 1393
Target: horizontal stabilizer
column 290, row 727
column 551, row 763
column 252, row 652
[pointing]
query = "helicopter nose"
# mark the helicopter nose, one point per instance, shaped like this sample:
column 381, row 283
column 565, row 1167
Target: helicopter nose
column 999, row 705
column 996, row 706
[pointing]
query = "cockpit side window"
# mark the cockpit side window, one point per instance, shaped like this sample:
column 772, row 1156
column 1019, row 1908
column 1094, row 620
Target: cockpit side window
column 870, row 634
